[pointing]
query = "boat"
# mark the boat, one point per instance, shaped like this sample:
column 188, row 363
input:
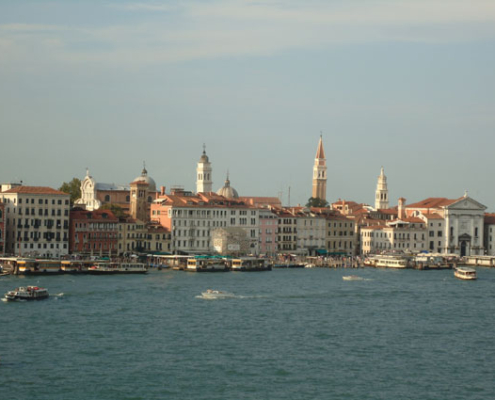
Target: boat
column 206, row 264
column 114, row 268
column 387, row 261
column 465, row 273
column 27, row 293
column 250, row 264
column 217, row 294
column 352, row 278
column 309, row 265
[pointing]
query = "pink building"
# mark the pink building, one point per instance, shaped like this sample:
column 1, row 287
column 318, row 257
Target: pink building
column 268, row 232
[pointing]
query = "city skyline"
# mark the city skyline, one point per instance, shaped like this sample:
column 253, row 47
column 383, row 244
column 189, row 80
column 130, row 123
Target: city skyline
column 404, row 85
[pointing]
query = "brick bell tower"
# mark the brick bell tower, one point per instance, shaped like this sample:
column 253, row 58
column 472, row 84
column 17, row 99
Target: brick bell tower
column 320, row 173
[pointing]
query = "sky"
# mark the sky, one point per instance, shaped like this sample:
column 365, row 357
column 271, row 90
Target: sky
column 107, row 85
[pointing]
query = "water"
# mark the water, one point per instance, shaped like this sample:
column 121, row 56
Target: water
column 288, row 334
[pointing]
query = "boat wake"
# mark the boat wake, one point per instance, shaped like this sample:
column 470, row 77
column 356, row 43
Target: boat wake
column 355, row 278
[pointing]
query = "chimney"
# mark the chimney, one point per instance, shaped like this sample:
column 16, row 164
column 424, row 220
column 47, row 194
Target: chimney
column 162, row 190
column 402, row 211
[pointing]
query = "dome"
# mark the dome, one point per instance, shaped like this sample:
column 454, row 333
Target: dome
column 227, row 191
column 145, row 178
column 204, row 158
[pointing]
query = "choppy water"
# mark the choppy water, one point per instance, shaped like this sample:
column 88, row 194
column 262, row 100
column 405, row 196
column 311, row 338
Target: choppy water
column 288, row 334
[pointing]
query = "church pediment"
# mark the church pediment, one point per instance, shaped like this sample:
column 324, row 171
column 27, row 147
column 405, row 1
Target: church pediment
column 464, row 237
column 466, row 203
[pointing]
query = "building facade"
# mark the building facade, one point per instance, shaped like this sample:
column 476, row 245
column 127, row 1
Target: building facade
column 36, row 221
column 2, row 228
column 93, row 232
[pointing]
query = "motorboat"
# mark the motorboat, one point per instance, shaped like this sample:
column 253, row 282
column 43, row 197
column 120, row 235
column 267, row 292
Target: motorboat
column 249, row 264
column 27, row 293
column 465, row 273
column 217, row 294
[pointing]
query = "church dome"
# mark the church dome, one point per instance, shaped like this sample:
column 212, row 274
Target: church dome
column 149, row 180
column 228, row 191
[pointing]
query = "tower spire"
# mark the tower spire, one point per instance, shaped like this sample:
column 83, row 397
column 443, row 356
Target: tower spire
column 204, row 183
column 320, row 172
column 381, row 194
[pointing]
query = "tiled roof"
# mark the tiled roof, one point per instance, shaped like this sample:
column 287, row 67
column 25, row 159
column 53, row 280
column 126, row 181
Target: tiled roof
column 432, row 202
column 432, row 216
column 490, row 219
column 35, row 190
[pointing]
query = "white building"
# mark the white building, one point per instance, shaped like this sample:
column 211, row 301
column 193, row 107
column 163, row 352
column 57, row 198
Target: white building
column 463, row 224
column 36, row 221
column 490, row 234
column 192, row 219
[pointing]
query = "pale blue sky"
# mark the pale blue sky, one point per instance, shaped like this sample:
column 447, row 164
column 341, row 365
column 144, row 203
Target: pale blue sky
column 408, row 84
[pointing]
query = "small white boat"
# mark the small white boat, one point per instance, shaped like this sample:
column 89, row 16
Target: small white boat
column 217, row 294
column 465, row 273
column 352, row 278
column 27, row 293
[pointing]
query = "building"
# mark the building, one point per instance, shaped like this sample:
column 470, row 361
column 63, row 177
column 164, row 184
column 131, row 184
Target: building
column 2, row 228
column 228, row 191
column 268, row 232
column 489, row 234
column 94, row 194
column 204, row 181
column 192, row 218
column 93, row 232
column 381, row 194
column 286, row 231
column 320, row 173
column 406, row 235
column 36, row 221
column 462, row 229
column 310, row 231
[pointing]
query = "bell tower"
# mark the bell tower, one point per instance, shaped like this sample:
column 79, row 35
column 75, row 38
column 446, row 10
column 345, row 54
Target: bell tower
column 320, row 173
column 204, row 183
column 139, row 196
column 381, row 195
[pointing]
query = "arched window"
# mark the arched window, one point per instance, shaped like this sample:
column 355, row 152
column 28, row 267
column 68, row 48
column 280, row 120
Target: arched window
column 128, row 198
column 149, row 199
column 107, row 197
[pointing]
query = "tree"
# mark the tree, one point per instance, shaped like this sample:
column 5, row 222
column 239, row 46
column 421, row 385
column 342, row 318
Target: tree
column 115, row 209
column 73, row 188
column 316, row 202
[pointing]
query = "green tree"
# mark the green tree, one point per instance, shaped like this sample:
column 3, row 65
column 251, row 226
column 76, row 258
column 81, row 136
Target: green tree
column 316, row 202
column 115, row 209
column 73, row 188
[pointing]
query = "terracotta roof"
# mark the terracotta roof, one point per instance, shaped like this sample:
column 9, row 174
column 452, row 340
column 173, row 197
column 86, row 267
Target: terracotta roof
column 432, row 216
column 35, row 190
column 432, row 202
column 490, row 219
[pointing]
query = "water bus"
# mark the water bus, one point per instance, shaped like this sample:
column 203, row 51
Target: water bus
column 206, row 264
column 465, row 273
column 387, row 261
column 249, row 264
column 114, row 268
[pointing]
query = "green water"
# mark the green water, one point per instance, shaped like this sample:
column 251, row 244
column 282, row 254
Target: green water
column 287, row 334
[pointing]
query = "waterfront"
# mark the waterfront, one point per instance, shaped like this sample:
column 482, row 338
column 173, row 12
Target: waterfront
column 288, row 334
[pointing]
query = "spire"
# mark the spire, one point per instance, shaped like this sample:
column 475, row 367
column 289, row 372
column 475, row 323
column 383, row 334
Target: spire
column 144, row 172
column 320, row 153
